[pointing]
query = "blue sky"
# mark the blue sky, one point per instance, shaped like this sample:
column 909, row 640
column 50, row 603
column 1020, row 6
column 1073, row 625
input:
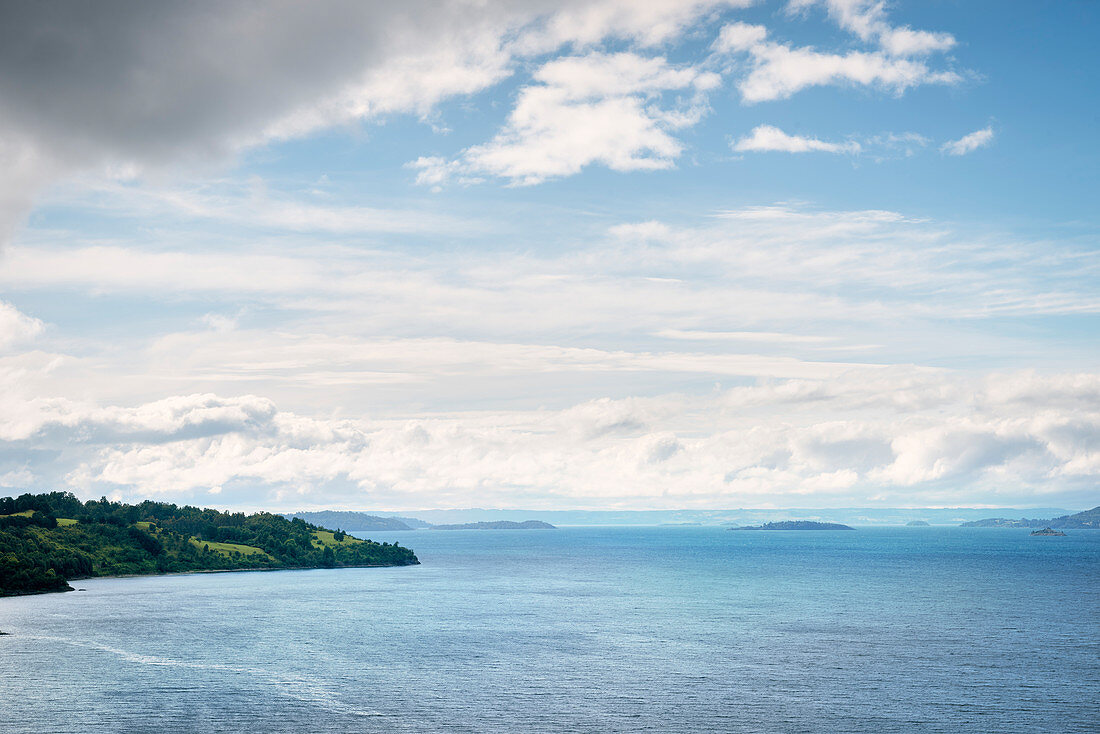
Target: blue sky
column 595, row 255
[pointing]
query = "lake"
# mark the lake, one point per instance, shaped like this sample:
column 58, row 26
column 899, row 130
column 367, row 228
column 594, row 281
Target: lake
column 608, row 629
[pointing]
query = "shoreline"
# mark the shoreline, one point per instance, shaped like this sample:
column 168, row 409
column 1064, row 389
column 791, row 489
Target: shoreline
column 37, row 592
column 198, row 571
column 242, row 570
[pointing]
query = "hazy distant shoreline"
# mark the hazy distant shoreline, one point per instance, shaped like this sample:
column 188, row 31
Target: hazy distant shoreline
column 383, row 521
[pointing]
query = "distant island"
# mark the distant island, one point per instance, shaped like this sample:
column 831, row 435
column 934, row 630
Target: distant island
column 1089, row 519
column 917, row 524
column 498, row 525
column 1003, row 522
column 356, row 521
column 46, row 540
column 1049, row 531
column 796, row 525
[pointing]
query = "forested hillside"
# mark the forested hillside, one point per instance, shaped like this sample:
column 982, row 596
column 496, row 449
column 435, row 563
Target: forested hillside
column 48, row 539
column 1087, row 520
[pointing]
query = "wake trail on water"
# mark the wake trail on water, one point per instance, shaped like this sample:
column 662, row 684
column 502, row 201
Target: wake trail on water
column 306, row 690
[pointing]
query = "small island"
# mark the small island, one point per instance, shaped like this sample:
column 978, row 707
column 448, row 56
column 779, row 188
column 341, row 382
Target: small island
column 46, row 540
column 1049, row 531
column 796, row 525
column 917, row 524
column 498, row 525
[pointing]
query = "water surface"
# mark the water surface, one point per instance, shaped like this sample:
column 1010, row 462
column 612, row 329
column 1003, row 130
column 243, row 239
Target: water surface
column 584, row 629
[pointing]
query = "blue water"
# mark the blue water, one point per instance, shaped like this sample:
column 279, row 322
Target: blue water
column 584, row 630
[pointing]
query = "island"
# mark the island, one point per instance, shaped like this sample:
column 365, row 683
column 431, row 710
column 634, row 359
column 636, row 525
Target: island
column 498, row 525
column 47, row 540
column 1049, row 531
column 358, row 521
column 917, row 524
column 796, row 525
column 1004, row 522
column 1087, row 520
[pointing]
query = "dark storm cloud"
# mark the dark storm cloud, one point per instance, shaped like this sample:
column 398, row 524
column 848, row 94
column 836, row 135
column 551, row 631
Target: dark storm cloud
column 142, row 79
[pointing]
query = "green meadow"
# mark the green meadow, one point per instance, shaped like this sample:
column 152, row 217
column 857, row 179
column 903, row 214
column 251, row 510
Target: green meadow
column 322, row 538
column 227, row 548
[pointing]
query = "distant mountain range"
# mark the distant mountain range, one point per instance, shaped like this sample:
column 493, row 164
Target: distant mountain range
column 1079, row 521
column 378, row 521
column 740, row 516
column 498, row 525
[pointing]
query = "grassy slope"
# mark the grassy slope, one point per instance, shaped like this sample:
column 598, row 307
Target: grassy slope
column 227, row 548
column 321, row 538
column 222, row 548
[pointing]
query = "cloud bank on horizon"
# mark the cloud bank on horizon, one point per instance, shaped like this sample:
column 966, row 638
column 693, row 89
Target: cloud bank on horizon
column 532, row 254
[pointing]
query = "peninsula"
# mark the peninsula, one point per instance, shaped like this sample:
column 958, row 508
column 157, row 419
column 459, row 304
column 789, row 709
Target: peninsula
column 1087, row 520
column 796, row 525
column 46, row 540
column 498, row 525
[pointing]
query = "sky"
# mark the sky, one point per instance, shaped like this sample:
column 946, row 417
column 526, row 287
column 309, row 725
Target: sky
column 610, row 254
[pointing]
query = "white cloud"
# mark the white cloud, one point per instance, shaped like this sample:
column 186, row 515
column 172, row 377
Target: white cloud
column 602, row 108
column 911, row 437
column 435, row 171
column 774, row 292
column 739, row 37
column 383, row 378
column 782, row 252
column 115, row 269
column 16, row 327
column 648, row 24
column 867, row 20
column 769, row 138
column 879, row 147
column 250, row 205
column 969, row 143
column 907, row 42
column 583, row 110
column 780, row 71
column 748, row 336
column 599, row 75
